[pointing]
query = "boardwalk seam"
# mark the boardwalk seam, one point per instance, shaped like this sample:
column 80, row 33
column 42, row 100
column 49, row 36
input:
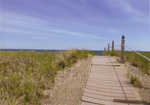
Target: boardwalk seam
column 118, row 79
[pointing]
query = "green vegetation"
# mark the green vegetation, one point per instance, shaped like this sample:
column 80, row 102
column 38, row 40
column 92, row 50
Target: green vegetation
column 134, row 59
column 134, row 80
column 112, row 53
column 25, row 75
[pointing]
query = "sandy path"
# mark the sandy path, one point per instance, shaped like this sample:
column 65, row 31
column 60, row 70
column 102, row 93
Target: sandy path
column 70, row 84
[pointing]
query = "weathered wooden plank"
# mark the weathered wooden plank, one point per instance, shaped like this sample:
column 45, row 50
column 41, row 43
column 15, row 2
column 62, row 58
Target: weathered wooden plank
column 108, row 85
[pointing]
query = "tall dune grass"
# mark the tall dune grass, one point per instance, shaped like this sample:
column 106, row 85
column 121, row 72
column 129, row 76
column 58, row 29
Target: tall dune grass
column 134, row 59
column 24, row 76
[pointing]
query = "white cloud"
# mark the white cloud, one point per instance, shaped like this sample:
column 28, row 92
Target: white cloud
column 136, row 15
column 29, row 33
column 22, row 24
column 43, row 38
column 72, row 33
column 112, row 30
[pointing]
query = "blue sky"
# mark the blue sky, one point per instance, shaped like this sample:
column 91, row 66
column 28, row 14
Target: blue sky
column 65, row 24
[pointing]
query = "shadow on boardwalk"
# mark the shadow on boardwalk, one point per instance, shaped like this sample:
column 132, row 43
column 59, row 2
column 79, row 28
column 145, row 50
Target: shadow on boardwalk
column 108, row 85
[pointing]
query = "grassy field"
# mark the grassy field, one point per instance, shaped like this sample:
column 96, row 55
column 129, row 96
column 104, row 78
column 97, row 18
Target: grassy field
column 25, row 75
column 134, row 59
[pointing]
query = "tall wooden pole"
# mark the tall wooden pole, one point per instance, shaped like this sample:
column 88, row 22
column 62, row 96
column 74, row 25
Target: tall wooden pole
column 122, row 48
column 108, row 47
column 112, row 46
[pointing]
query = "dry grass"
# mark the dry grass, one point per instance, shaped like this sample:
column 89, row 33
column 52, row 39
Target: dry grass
column 134, row 80
column 134, row 59
column 25, row 75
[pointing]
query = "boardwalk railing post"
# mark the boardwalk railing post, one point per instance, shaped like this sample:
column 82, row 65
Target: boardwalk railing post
column 122, row 48
column 108, row 47
column 112, row 46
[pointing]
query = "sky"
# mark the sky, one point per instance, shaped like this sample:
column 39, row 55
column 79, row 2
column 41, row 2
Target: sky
column 67, row 24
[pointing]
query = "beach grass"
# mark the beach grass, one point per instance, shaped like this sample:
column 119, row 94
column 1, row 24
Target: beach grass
column 134, row 59
column 134, row 80
column 24, row 76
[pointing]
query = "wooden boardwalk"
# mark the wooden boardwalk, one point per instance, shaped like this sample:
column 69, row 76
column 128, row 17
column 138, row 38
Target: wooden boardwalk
column 108, row 83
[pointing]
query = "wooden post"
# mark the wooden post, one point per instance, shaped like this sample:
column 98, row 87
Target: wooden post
column 112, row 46
column 122, row 48
column 108, row 47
